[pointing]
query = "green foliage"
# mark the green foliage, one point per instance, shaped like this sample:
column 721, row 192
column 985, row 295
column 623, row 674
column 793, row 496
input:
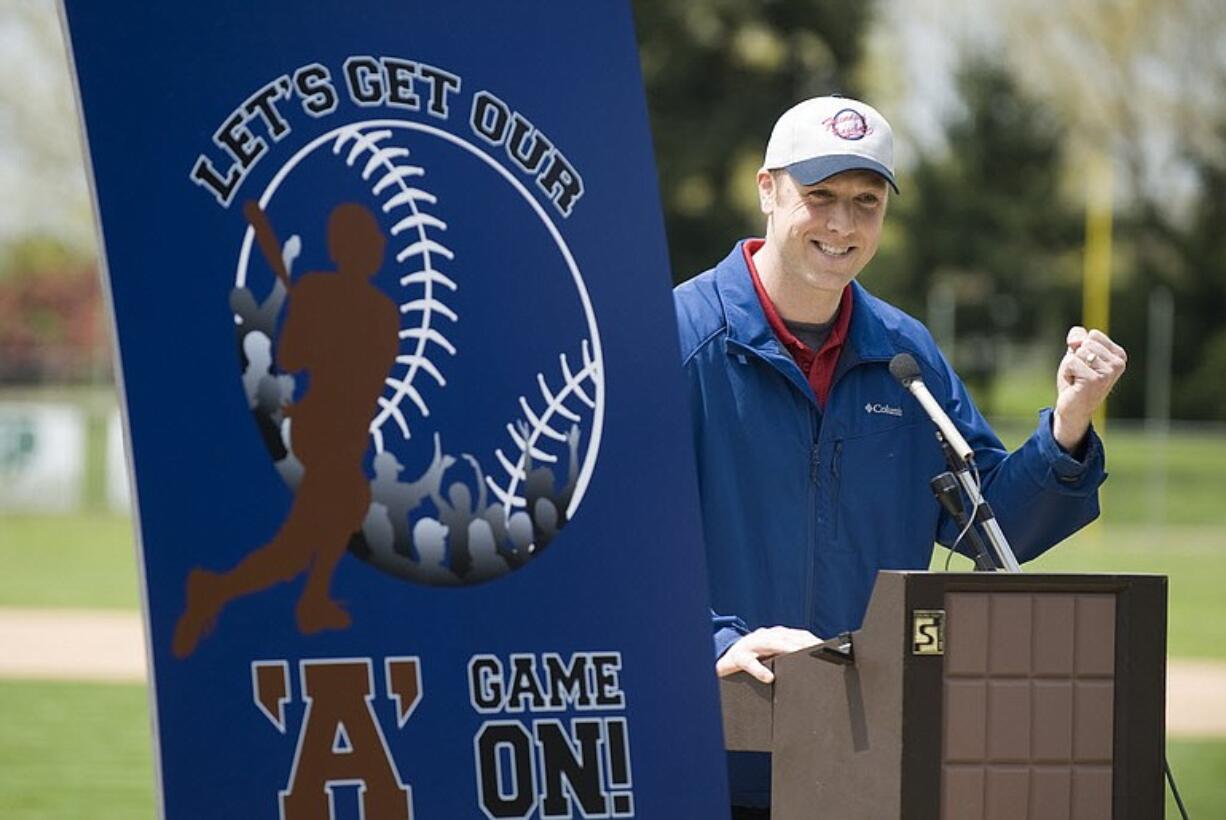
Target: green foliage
column 40, row 252
column 52, row 323
column 1201, row 392
column 1188, row 257
column 718, row 74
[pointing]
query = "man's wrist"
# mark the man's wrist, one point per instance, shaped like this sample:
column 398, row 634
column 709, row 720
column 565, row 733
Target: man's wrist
column 1070, row 434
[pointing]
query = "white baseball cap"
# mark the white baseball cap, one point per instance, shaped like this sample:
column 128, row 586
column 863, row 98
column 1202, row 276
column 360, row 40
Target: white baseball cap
column 823, row 136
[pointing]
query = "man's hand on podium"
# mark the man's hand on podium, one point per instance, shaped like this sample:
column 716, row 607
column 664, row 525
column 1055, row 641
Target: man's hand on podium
column 747, row 654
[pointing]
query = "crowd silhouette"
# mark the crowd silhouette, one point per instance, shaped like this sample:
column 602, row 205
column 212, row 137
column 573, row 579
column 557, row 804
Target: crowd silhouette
column 268, row 392
column 459, row 536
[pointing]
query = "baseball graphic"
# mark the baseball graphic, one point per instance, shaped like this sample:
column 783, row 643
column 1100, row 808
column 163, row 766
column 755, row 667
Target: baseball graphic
column 452, row 503
column 432, row 416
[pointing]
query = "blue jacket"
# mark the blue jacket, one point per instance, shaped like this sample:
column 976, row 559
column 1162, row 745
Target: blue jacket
column 802, row 506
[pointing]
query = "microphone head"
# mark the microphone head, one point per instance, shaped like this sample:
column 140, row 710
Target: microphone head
column 943, row 483
column 904, row 368
column 945, row 488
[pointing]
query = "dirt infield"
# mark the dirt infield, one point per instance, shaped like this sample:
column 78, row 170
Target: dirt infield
column 109, row 646
column 84, row 645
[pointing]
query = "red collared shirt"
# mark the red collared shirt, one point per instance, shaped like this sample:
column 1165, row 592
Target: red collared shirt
column 818, row 366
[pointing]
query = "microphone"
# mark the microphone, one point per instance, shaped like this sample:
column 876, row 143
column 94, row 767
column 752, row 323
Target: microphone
column 946, row 489
column 906, row 371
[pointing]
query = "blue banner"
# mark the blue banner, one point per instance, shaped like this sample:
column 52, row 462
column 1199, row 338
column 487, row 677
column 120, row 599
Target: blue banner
column 414, row 480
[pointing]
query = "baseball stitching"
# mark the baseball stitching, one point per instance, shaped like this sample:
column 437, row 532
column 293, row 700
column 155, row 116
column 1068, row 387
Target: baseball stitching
column 555, row 404
column 392, row 185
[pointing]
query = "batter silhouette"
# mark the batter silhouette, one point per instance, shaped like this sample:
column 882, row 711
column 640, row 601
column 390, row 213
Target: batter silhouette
column 343, row 332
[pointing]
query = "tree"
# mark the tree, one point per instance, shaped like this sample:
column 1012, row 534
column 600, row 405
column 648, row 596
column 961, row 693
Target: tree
column 986, row 221
column 1187, row 255
column 52, row 325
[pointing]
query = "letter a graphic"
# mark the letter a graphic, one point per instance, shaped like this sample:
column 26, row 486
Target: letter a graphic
column 338, row 694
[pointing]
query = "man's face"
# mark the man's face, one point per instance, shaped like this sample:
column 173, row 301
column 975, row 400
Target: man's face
column 825, row 233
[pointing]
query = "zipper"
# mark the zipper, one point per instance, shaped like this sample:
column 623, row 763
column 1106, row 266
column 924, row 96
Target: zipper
column 815, row 462
column 835, row 460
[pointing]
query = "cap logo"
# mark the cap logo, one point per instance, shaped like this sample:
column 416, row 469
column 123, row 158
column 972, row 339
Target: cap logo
column 848, row 124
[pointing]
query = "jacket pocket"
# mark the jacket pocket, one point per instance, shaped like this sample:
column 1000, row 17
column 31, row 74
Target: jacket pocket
column 879, row 491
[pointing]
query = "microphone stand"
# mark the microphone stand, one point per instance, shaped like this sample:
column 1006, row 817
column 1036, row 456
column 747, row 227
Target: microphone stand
column 981, row 510
column 945, row 488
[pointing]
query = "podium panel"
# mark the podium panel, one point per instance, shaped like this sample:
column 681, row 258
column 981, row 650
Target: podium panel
column 984, row 695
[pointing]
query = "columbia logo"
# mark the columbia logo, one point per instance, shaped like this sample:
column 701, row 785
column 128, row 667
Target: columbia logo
column 882, row 408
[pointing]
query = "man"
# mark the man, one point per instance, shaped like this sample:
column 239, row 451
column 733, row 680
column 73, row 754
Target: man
column 813, row 461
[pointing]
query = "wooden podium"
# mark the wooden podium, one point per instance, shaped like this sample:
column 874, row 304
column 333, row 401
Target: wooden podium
column 982, row 696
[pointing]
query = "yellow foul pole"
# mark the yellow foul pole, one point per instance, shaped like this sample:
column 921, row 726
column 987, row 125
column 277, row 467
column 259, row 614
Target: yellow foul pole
column 1096, row 277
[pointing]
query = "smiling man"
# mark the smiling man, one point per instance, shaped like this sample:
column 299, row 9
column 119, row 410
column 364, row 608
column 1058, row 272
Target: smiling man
column 813, row 461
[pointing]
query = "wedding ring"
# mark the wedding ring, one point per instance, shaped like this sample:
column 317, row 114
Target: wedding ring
column 1090, row 358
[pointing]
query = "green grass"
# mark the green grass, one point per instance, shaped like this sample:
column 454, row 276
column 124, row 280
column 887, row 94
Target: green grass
column 1176, row 479
column 84, row 560
column 1179, row 479
column 1200, row 773
column 70, row 751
